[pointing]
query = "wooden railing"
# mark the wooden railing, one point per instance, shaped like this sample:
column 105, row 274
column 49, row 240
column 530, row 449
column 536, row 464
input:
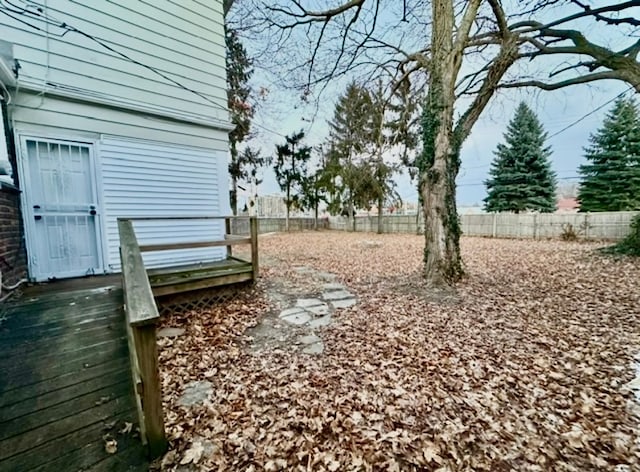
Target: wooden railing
column 142, row 316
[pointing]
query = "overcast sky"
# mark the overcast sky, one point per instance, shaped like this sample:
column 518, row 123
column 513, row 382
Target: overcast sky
column 574, row 108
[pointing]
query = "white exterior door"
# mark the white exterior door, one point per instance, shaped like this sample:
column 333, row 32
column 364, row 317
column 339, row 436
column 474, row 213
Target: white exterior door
column 61, row 209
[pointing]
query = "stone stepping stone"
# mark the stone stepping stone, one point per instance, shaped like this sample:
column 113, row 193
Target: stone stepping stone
column 333, row 286
column 337, row 295
column 319, row 310
column 315, row 348
column 345, row 303
column 309, row 302
column 196, row 393
column 170, row 332
column 310, row 339
column 291, row 311
column 297, row 318
column 320, row 322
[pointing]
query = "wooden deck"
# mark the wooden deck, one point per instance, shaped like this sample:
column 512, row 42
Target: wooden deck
column 69, row 352
column 198, row 276
column 65, row 381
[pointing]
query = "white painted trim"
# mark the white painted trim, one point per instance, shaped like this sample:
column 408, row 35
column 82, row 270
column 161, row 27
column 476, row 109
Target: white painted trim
column 104, row 246
column 4, row 154
column 27, row 203
column 223, row 125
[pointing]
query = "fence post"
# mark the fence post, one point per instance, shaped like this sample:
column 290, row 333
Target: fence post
column 253, row 225
column 494, row 231
column 227, row 231
column 535, row 226
column 586, row 225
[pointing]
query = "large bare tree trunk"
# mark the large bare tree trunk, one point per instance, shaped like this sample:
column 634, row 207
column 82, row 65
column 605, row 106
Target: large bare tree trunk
column 442, row 261
column 440, row 159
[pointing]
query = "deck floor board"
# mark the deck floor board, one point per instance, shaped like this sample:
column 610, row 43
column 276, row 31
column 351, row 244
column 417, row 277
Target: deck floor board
column 65, row 382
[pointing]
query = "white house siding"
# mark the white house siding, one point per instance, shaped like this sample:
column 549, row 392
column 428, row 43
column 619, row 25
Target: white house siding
column 183, row 40
column 35, row 113
column 147, row 166
column 148, row 179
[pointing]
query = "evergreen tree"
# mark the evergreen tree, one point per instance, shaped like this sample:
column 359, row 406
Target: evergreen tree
column 611, row 178
column 239, row 71
column 350, row 134
column 386, row 130
column 521, row 178
column 291, row 169
column 366, row 125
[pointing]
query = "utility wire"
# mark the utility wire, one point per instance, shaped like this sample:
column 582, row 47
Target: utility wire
column 69, row 28
column 474, row 184
column 571, row 125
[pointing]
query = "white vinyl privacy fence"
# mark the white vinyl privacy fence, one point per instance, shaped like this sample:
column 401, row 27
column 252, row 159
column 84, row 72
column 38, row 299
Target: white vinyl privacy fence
column 606, row 225
column 595, row 226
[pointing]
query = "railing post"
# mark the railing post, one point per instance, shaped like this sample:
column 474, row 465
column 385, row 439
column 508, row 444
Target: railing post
column 142, row 316
column 253, row 227
column 227, row 231
column 151, row 395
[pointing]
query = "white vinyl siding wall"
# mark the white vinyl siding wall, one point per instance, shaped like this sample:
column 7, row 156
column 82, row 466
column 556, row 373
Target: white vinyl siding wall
column 184, row 40
column 147, row 179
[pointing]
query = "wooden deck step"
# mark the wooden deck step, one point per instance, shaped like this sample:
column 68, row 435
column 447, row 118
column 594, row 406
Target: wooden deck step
column 166, row 281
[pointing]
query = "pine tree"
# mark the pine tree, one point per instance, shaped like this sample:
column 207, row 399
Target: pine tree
column 239, row 71
column 385, row 132
column 350, row 134
column 290, row 168
column 521, row 178
column 611, row 178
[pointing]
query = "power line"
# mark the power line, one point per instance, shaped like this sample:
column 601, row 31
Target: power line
column 69, row 28
column 571, row 125
column 590, row 113
column 475, row 184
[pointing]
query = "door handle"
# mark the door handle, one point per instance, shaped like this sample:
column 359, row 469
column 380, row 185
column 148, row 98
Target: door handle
column 92, row 212
column 36, row 207
column 38, row 217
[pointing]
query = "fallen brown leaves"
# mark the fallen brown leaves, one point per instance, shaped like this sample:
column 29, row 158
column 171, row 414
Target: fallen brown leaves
column 524, row 369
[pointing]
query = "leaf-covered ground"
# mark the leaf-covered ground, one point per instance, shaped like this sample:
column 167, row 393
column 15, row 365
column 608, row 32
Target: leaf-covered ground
column 524, row 368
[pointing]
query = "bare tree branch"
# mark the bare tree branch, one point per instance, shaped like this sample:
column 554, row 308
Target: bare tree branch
column 610, row 21
column 504, row 60
column 468, row 18
column 531, row 26
column 500, row 17
column 307, row 16
column 583, row 79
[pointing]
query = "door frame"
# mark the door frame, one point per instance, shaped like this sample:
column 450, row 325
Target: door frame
column 27, row 203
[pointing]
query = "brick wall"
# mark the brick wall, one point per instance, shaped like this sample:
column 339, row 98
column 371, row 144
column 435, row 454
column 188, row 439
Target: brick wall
column 13, row 258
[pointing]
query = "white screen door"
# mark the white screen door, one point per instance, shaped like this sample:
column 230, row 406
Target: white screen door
column 61, row 209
